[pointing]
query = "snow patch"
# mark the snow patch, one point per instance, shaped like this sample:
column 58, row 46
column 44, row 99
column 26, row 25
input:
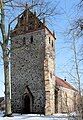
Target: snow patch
column 58, row 116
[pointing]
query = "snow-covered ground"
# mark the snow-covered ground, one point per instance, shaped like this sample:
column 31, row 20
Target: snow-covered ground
column 37, row 117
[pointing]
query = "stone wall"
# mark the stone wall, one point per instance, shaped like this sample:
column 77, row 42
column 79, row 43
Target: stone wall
column 66, row 100
column 28, row 69
column 49, row 68
column 32, row 64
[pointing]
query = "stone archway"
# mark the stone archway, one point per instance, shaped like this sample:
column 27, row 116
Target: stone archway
column 27, row 104
column 27, row 101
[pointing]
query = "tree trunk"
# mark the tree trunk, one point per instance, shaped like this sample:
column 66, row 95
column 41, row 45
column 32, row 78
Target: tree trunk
column 6, row 62
column 7, row 84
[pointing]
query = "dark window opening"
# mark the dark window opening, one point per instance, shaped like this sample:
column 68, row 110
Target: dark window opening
column 39, row 24
column 24, row 41
column 52, row 43
column 66, row 98
column 51, row 75
column 31, row 39
column 49, row 40
column 56, row 101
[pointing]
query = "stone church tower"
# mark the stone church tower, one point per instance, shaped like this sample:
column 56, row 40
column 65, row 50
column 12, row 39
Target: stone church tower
column 32, row 66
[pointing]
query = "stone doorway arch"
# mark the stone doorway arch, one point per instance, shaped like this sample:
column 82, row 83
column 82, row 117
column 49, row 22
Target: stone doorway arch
column 27, row 101
column 27, row 104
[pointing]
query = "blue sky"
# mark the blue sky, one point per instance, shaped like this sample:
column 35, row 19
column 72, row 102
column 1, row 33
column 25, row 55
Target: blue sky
column 60, row 24
column 64, row 53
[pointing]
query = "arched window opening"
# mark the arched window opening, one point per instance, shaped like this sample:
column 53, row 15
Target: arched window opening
column 56, row 101
column 49, row 40
column 31, row 39
column 24, row 41
column 52, row 43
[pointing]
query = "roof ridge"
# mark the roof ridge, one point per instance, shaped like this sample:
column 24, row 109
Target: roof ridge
column 67, row 83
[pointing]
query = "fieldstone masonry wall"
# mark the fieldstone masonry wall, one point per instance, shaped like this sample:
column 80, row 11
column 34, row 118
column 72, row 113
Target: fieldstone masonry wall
column 32, row 64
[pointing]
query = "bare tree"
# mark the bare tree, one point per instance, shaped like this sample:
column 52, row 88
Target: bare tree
column 76, row 33
column 73, row 67
column 78, row 78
